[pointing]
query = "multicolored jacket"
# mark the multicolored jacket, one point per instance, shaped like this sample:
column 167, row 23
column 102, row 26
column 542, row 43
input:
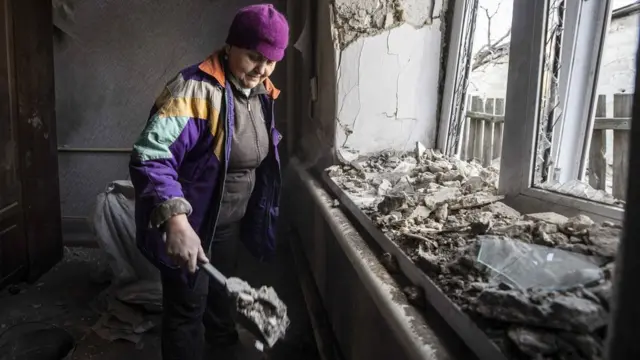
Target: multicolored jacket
column 179, row 163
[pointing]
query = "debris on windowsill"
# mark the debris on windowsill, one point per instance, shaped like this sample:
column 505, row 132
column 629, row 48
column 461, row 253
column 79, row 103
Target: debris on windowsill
column 552, row 298
column 582, row 190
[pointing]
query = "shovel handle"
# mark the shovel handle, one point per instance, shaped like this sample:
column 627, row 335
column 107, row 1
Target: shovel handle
column 214, row 273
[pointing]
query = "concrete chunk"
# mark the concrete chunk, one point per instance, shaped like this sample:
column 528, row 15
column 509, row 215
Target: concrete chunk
column 502, row 210
column 550, row 217
column 559, row 312
column 438, row 197
column 478, row 199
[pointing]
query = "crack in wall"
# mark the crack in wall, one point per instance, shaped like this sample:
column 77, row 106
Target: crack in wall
column 355, row 119
column 349, row 129
column 353, row 24
column 400, row 70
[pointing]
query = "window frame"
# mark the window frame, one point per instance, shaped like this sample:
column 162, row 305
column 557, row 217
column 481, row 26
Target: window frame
column 456, row 73
column 522, row 113
column 586, row 28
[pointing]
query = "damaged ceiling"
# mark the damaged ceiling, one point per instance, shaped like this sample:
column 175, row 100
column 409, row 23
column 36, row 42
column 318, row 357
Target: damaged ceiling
column 538, row 284
column 357, row 18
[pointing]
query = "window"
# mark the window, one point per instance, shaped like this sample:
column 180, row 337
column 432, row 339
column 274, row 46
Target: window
column 477, row 81
column 555, row 58
column 561, row 142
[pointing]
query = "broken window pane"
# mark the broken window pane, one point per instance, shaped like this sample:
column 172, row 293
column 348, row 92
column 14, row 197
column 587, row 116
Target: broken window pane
column 582, row 145
column 483, row 122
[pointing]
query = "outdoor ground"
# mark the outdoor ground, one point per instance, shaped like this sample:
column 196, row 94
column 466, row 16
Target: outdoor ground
column 64, row 297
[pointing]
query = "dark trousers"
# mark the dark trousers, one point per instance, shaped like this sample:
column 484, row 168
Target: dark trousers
column 189, row 312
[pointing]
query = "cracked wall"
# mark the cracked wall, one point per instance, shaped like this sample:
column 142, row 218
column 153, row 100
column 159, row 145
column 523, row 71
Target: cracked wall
column 388, row 73
column 356, row 18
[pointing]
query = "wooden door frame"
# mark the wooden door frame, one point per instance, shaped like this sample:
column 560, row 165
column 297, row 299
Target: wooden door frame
column 37, row 215
column 11, row 214
column 34, row 74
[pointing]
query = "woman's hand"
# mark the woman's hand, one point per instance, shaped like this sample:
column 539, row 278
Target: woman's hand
column 183, row 244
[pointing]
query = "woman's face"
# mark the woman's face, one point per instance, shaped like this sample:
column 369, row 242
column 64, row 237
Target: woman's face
column 249, row 66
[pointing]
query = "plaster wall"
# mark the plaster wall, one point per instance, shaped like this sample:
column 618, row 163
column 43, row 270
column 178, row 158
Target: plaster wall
column 388, row 56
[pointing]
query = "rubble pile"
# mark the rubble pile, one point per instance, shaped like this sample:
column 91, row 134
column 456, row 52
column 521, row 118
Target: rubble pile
column 538, row 284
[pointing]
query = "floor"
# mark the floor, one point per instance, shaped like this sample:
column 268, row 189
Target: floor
column 64, row 297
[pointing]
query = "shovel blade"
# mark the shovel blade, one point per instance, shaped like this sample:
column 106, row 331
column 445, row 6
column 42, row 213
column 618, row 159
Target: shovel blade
column 255, row 330
column 261, row 312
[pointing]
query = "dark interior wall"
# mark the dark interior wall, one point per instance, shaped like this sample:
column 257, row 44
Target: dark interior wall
column 111, row 61
column 311, row 80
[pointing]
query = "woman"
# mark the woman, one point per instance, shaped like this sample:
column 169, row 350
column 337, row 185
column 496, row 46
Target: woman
column 206, row 171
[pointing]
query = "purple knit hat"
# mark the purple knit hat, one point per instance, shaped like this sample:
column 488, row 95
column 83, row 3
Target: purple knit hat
column 261, row 28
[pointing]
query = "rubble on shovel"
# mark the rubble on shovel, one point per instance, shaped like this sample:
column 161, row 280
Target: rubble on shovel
column 441, row 211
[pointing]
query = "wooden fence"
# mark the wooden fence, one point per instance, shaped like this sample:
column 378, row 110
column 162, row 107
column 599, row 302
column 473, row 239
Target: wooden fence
column 619, row 124
column 483, row 129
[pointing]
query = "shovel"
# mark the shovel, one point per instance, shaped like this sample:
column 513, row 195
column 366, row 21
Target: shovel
column 259, row 311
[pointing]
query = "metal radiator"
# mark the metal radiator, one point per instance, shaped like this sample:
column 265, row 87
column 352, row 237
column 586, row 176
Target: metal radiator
column 369, row 314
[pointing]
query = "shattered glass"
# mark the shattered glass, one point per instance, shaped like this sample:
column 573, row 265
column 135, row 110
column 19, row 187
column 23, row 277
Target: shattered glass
column 527, row 266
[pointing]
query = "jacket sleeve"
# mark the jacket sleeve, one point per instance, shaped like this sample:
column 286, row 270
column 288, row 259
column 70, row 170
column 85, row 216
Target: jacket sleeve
column 170, row 133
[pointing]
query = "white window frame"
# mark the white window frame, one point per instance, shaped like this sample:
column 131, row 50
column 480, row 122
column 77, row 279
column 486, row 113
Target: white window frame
column 586, row 24
column 523, row 104
column 456, row 64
